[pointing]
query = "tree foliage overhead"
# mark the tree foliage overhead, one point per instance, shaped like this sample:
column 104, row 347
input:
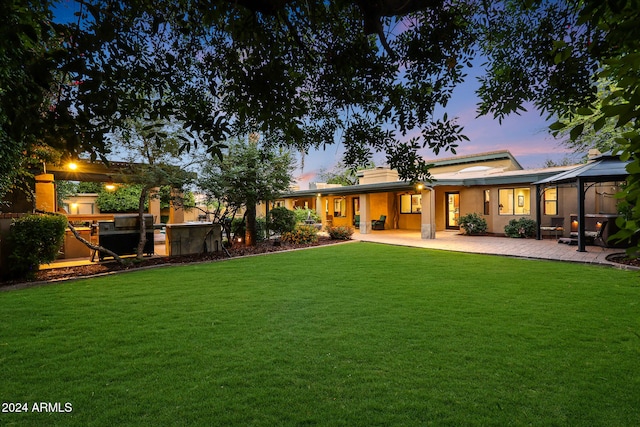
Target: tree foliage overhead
column 301, row 73
column 27, row 69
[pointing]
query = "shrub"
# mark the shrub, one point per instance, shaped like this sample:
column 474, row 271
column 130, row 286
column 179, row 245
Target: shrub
column 303, row 214
column 282, row 220
column 523, row 227
column 303, row 234
column 35, row 240
column 473, row 223
column 340, row 232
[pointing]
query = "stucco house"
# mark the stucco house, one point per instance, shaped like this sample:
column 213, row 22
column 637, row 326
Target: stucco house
column 492, row 184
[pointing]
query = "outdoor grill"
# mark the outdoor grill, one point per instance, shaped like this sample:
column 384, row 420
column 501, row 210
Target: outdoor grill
column 123, row 234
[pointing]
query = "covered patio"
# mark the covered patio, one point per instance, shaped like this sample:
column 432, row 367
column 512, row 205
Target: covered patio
column 601, row 169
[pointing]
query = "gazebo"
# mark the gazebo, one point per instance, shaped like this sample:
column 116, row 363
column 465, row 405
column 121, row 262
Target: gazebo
column 603, row 168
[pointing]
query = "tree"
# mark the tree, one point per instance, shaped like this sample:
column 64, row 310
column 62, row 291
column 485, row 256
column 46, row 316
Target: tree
column 28, row 46
column 557, row 59
column 247, row 174
column 302, row 74
column 156, row 143
column 342, row 174
column 123, row 199
column 603, row 137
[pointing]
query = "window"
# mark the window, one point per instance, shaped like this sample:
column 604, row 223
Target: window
column 339, row 207
column 410, row 203
column 514, row 201
column 551, row 201
column 487, row 200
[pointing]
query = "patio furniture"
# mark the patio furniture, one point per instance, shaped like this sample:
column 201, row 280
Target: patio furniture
column 598, row 239
column 378, row 224
column 356, row 220
column 557, row 225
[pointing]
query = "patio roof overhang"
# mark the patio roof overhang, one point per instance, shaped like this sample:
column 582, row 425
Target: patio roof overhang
column 381, row 187
column 457, row 179
column 86, row 171
column 604, row 168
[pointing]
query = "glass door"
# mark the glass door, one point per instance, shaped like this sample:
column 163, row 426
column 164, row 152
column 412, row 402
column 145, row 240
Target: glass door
column 453, row 210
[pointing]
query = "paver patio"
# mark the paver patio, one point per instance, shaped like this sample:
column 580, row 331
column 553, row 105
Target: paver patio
column 526, row 248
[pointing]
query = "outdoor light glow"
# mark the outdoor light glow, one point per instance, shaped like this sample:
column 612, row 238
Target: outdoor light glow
column 110, row 187
column 420, row 186
column 72, row 166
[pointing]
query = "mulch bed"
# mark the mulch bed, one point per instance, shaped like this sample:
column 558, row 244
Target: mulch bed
column 110, row 266
column 622, row 258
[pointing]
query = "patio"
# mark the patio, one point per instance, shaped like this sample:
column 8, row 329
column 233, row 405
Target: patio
column 525, row 248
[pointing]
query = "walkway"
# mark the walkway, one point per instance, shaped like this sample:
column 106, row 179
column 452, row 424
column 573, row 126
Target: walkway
column 525, row 248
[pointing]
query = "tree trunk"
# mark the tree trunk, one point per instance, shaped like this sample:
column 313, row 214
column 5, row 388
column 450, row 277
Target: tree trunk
column 250, row 224
column 143, row 227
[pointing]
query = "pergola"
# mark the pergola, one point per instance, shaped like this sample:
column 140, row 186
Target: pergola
column 86, row 171
column 603, row 168
column 113, row 173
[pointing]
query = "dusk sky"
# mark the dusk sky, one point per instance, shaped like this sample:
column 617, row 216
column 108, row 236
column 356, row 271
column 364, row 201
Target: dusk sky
column 525, row 136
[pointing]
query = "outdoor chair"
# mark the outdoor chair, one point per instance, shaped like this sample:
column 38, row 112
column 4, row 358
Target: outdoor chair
column 378, row 224
column 598, row 240
column 557, row 225
column 356, row 221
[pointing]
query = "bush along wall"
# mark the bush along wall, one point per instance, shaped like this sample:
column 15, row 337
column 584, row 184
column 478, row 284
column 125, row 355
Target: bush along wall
column 523, row 227
column 473, row 224
column 35, row 240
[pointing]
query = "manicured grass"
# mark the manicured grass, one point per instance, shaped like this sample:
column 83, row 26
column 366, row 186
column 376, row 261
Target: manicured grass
column 354, row 335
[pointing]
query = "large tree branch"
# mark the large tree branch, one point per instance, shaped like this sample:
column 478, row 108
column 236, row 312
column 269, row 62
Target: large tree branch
column 92, row 246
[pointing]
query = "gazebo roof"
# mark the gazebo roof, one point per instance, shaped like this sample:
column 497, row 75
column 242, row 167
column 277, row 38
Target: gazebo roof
column 606, row 167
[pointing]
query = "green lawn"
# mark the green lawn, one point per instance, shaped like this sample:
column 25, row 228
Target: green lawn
column 349, row 335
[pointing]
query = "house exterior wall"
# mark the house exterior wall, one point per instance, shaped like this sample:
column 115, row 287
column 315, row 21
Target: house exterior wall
column 408, row 221
column 81, row 204
column 511, row 196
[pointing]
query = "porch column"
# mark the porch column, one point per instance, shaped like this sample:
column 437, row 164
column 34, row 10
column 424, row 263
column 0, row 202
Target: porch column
column 45, row 193
column 319, row 206
column 154, row 204
column 176, row 213
column 365, row 214
column 428, row 214
column 581, row 224
column 539, row 194
column 289, row 204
